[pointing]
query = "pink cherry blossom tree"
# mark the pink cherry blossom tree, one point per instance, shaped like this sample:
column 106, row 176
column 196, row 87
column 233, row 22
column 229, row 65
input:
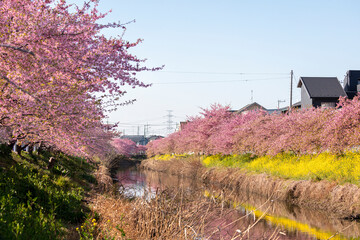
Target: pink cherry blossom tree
column 127, row 147
column 308, row 131
column 59, row 74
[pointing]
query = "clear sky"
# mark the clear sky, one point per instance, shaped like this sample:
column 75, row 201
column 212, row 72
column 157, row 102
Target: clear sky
column 221, row 51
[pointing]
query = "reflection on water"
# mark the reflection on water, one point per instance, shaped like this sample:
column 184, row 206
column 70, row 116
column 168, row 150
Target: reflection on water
column 133, row 184
column 268, row 219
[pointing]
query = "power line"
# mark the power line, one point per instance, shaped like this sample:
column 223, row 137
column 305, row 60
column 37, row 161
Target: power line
column 221, row 73
column 146, row 120
column 222, row 81
column 139, row 124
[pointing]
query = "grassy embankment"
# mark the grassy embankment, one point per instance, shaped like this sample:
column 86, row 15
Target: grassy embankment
column 41, row 203
column 325, row 166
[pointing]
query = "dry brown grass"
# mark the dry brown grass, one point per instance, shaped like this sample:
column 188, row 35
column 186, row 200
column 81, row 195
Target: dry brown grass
column 104, row 180
column 190, row 167
column 177, row 214
column 114, row 217
column 174, row 214
column 342, row 201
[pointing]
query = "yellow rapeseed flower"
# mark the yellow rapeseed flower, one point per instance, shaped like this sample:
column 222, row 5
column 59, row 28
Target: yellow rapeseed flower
column 340, row 168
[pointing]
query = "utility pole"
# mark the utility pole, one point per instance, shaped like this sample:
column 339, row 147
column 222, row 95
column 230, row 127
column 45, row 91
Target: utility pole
column 146, row 129
column 291, row 88
column 252, row 96
column 280, row 101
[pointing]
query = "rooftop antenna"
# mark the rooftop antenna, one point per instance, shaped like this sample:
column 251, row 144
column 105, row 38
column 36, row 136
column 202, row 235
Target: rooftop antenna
column 280, row 101
column 342, row 81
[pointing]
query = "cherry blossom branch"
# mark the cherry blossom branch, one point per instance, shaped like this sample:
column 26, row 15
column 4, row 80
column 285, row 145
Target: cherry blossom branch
column 17, row 48
column 20, row 88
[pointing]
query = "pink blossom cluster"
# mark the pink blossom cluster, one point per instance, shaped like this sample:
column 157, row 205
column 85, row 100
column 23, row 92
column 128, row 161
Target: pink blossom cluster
column 219, row 131
column 127, row 147
column 59, row 75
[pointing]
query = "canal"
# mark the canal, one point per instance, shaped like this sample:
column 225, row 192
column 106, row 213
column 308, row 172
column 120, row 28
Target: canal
column 234, row 215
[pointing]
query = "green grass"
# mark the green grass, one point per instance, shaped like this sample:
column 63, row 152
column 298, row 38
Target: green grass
column 325, row 166
column 36, row 203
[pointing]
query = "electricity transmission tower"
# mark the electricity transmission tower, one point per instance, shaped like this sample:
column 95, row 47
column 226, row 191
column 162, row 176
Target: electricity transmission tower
column 169, row 121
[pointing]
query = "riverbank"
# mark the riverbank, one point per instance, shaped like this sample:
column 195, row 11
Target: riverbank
column 73, row 198
column 48, row 195
column 340, row 200
column 43, row 195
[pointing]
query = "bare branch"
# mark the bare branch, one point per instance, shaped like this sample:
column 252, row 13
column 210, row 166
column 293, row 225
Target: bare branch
column 17, row 48
column 20, row 88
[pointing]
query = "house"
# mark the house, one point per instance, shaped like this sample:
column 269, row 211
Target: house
column 320, row 91
column 154, row 137
column 256, row 106
column 250, row 107
column 295, row 106
column 352, row 83
column 138, row 139
column 284, row 110
column 141, row 139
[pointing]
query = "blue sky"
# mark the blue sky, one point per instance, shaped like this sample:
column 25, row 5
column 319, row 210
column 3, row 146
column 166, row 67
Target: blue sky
column 217, row 45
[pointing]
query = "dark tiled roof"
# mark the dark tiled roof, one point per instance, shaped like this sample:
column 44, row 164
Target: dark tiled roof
column 322, row 86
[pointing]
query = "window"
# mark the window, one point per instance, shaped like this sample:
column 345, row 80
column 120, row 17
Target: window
column 328, row 104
